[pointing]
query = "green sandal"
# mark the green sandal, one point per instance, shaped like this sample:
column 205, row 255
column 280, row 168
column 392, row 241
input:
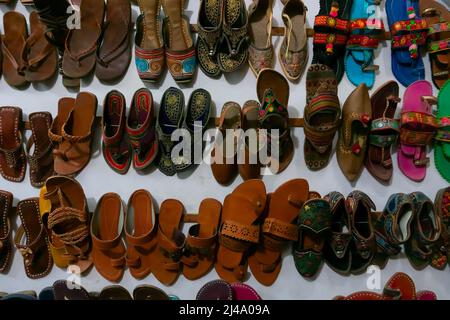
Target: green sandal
column 442, row 139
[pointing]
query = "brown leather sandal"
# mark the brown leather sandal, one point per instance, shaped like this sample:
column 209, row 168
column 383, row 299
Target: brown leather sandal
column 140, row 232
column 167, row 258
column 108, row 248
column 200, row 250
column 384, row 131
column 39, row 148
column 279, row 229
column 240, row 229
column 81, row 44
column 39, row 56
column 13, row 41
column 74, row 152
column 6, row 200
column 35, row 249
column 63, row 205
column 12, row 155
column 114, row 54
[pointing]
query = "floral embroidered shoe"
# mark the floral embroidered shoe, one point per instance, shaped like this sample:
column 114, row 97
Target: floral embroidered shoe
column 322, row 115
column 426, row 230
column 352, row 142
column 313, row 227
column 273, row 94
column 210, row 20
column 336, row 250
column 149, row 47
column 441, row 249
column 260, row 51
column 116, row 148
column 437, row 17
column 180, row 49
column 294, row 49
column 140, row 129
column 233, row 51
column 363, row 247
column 170, row 118
column 392, row 227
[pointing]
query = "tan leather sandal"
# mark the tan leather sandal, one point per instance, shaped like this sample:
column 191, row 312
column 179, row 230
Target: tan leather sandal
column 240, row 229
column 279, row 229
column 201, row 242
column 63, row 205
column 140, row 232
column 167, row 257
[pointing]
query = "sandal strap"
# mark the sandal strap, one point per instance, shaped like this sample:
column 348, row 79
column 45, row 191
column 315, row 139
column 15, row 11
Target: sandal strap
column 330, row 41
column 331, row 22
column 281, row 229
column 28, row 251
column 77, row 139
column 415, row 137
column 443, row 132
column 236, row 39
column 62, row 214
column 112, row 54
column 85, row 53
column 34, row 63
column 383, row 125
column 438, row 46
column 411, row 26
column 172, row 248
column 239, row 231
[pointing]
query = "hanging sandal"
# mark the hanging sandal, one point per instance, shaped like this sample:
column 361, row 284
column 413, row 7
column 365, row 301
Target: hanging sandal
column 294, row 49
column 13, row 160
column 13, row 42
column 39, row 55
column 140, row 232
column 352, row 141
column 417, row 129
column 6, row 255
column 260, row 50
column 384, row 131
column 233, row 48
column 82, row 44
column 322, row 116
column 74, row 152
column 35, row 248
column 63, row 205
column 437, row 17
column 442, row 138
column 366, row 33
column 40, row 148
column 279, row 230
column 200, row 250
column 409, row 33
column 167, row 258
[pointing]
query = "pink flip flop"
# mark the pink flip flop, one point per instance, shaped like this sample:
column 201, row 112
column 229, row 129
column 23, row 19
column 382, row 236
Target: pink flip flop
column 418, row 127
column 244, row 292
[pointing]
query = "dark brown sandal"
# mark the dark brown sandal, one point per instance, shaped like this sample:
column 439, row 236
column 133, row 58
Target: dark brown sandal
column 35, row 249
column 6, row 199
column 40, row 148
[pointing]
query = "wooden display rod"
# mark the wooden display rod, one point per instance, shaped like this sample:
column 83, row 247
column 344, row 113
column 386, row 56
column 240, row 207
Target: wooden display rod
column 280, row 31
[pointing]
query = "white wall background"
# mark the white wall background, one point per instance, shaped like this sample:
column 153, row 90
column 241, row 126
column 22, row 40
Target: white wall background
column 98, row 179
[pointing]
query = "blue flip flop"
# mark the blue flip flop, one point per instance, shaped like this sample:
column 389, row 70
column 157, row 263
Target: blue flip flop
column 409, row 32
column 364, row 39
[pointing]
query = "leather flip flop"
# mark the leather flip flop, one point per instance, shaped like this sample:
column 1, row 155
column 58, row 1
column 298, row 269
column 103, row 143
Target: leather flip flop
column 81, row 44
column 13, row 161
column 108, row 249
column 140, row 232
column 279, row 229
column 6, row 199
column 417, row 129
column 243, row 292
column 13, row 41
column 384, row 131
column 40, row 148
column 437, row 17
column 34, row 248
column 215, row 290
column 240, row 229
column 65, row 107
column 146, row 292
column 400, row 287
column 65, row 291
column 167, row 263
column 114, row 54
column 39, row 55
column 63, row 206
column 273, row 93
column 201, row 247
column 74, row 152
